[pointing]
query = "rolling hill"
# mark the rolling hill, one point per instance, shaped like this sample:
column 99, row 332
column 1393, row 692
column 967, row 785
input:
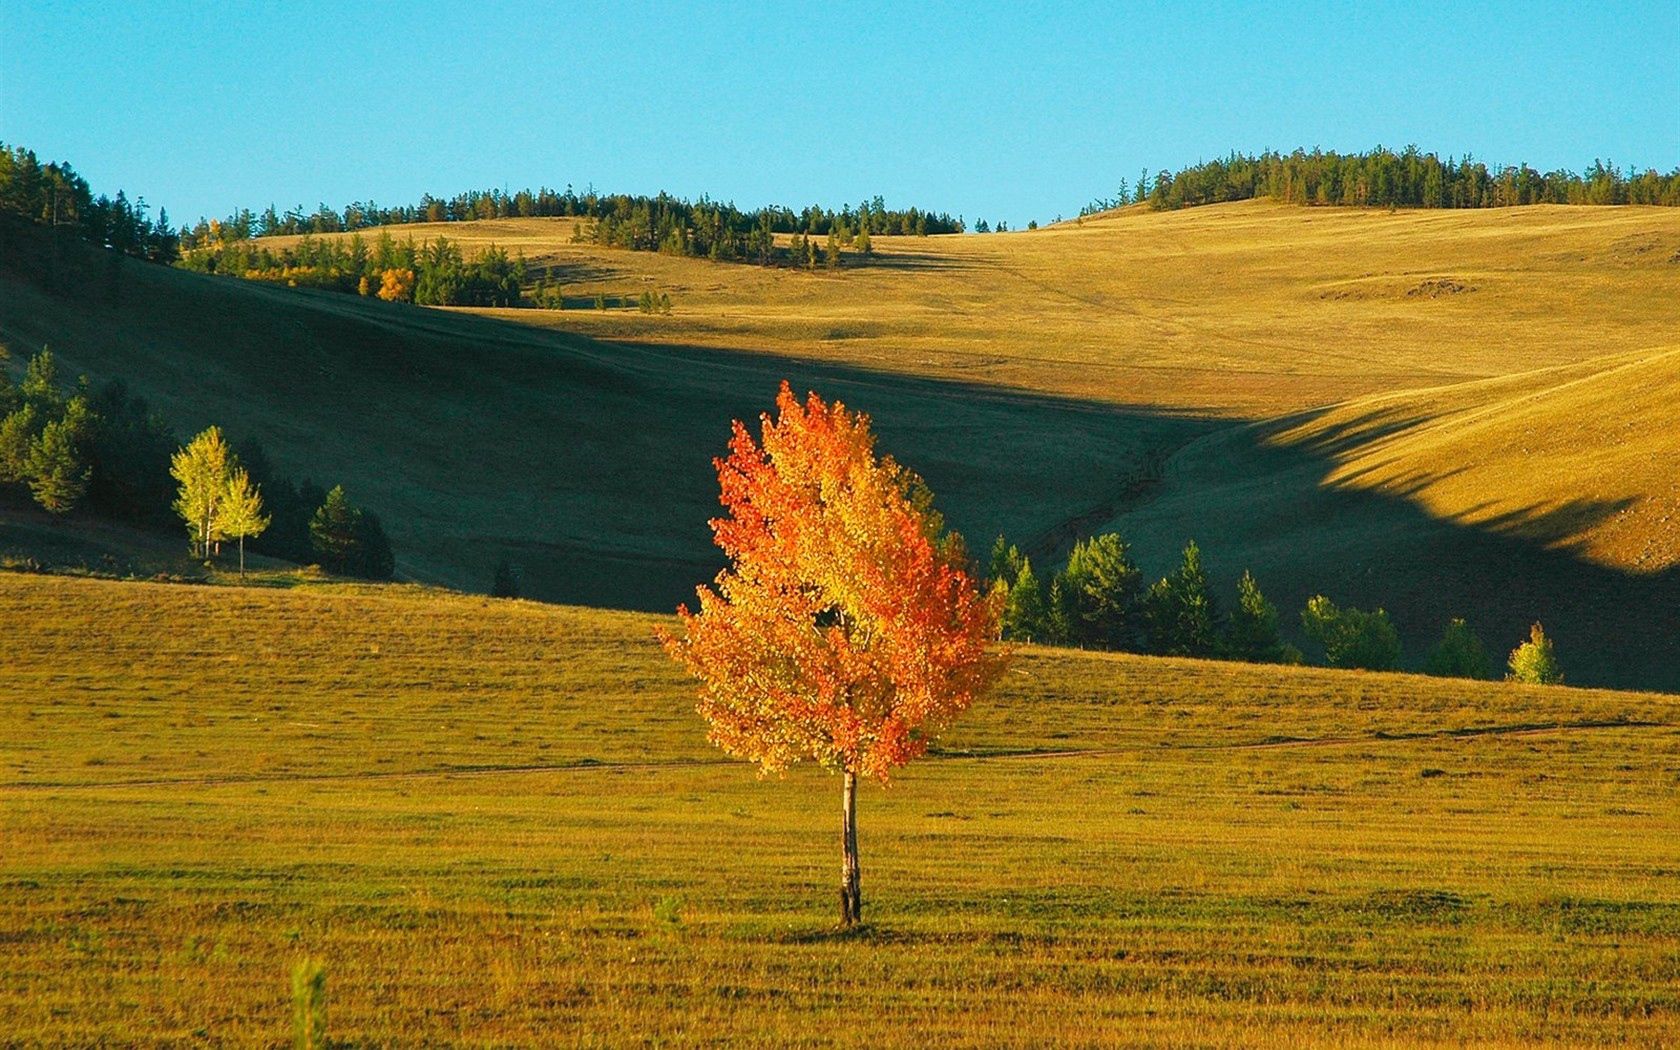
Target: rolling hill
column 1445, row 413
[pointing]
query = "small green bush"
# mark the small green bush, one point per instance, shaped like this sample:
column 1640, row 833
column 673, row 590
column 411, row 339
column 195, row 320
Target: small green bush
column 1459, row 653
column 309, row 1005
column 1352, row 637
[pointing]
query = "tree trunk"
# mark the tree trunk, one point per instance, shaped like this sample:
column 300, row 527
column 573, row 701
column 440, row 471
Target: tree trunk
column 851, row 892
column 241, row 555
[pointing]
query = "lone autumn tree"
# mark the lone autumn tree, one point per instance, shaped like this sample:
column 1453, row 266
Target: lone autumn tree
column 847, row 628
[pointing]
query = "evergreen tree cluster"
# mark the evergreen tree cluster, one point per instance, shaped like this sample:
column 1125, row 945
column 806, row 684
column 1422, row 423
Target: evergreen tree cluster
column 664, row 222
column 1098, row 600
column 819, row 236
column 1407, row 179
column 53, row 195
column 432, row 273
column 46, row 437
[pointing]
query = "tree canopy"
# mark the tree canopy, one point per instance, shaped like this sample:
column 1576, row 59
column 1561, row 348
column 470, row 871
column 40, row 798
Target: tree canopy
column 1382, row 177
column 847, row 625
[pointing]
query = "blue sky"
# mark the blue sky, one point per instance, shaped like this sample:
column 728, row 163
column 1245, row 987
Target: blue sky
column 1012, row 111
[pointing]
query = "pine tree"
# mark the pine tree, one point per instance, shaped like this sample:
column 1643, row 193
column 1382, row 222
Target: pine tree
column 1023, row 613
column 17, row 437
column 1060, row 624
column 1253, row 632
column 40, row 383
column 373, row 559
column 241, row 512
column 1103, row 588
column 1005, row 562
column 335, row 530
column 1180, row 612
column 58, row 474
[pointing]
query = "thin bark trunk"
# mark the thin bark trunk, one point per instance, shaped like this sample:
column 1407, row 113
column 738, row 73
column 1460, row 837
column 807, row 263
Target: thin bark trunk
column 851, row 891
column 242, row 555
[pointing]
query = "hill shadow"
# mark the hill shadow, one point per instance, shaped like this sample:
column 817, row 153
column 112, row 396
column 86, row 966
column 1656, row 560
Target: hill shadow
column 1271, row 508
column 589, row 463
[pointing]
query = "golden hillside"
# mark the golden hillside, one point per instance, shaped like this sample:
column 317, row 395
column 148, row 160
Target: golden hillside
column 1443, row 413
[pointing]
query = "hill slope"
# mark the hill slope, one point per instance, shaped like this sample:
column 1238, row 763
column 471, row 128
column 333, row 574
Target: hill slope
column 497, row 821
column 1245, row 310
column 1442, row 413
column 587, row 463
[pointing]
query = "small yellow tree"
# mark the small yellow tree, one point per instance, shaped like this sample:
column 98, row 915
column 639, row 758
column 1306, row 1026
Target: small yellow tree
column 241, row 511
column 202, row 468
column 1535, row 661
column 396, row 286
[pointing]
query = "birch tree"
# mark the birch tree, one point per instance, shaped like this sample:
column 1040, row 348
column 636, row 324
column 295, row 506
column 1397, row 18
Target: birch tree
column 240, row 513
column 202, row 468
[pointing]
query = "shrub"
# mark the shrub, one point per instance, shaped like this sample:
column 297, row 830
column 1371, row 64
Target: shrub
column 1352, row 638
column 1459, row 653
column 1535, row 661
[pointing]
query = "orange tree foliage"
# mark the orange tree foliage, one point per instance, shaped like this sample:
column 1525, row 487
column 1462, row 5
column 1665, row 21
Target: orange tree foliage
column 397, row 286
column 847, row 626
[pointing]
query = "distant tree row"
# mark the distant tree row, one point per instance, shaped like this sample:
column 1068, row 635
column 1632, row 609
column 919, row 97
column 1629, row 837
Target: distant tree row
column 660, row 223
column 432, row 273
column 1384, row 178
column 53, row 195
column 1099, row 600
column 722, row 232
column 109, row 452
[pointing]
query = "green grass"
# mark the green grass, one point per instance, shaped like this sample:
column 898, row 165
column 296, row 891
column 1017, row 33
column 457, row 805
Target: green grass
column 499, row 823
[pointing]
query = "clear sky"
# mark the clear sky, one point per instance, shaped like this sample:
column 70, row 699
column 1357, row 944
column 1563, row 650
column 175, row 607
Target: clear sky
column 1010, row 111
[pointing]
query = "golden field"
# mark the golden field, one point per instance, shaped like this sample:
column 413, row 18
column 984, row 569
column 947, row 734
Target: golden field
column 499, row 822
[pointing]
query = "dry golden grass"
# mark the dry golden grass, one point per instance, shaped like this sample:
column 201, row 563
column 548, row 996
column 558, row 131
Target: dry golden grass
column 1249, row 309
column 498, row 823
column 1257, row 310
column 1580, row 457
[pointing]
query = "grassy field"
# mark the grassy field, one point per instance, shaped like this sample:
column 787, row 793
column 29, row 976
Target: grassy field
column 499, row 822
column 1440, row 413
